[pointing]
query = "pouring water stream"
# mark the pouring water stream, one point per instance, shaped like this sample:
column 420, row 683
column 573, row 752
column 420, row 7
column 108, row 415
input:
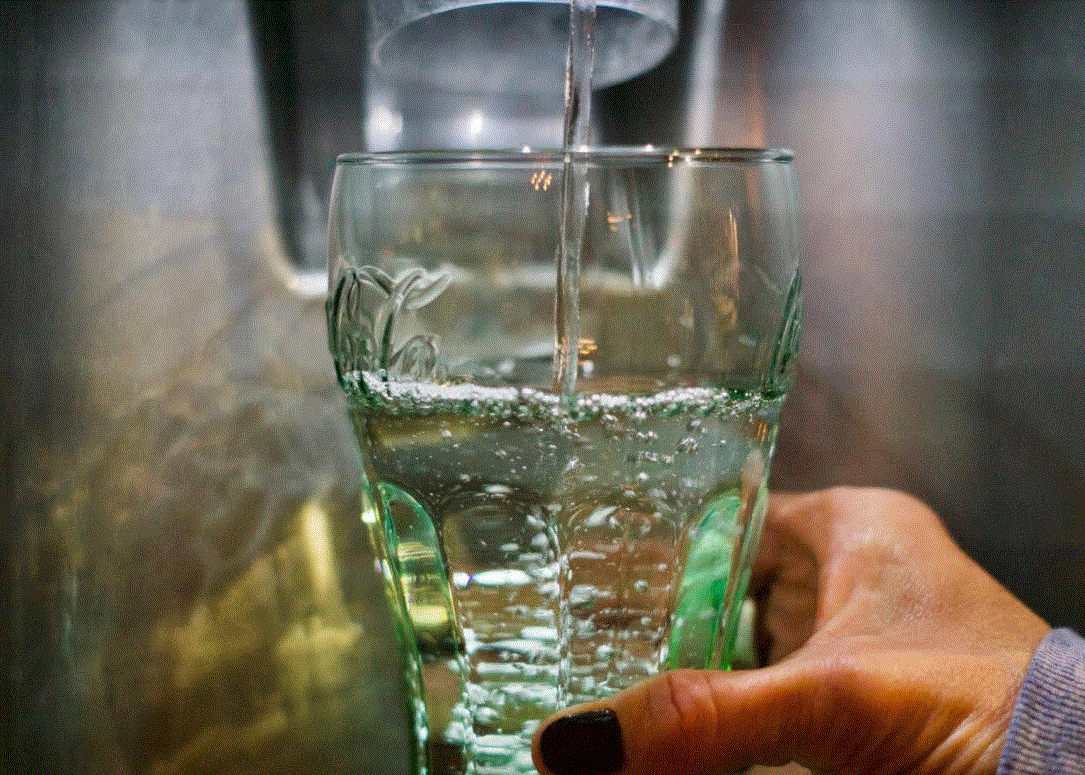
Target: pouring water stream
column 575, row 191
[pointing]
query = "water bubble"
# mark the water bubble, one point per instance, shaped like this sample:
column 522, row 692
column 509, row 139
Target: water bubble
column 582, row 596
column 599, row 516
column 688, row 445
column 499, row 577
column 586, row 555
column 543, row 572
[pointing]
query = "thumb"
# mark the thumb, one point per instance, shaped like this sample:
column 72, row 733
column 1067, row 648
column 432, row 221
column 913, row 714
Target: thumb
column 688, row 722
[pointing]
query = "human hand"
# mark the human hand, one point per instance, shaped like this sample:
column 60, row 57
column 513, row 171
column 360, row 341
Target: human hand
column 890, row 651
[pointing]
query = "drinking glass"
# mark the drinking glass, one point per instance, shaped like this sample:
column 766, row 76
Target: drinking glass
column 565, row 448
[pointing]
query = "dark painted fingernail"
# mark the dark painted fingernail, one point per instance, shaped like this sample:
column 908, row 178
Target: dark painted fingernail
column 583, row 744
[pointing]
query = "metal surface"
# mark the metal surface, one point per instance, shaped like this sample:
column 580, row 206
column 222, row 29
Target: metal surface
column 169, row 404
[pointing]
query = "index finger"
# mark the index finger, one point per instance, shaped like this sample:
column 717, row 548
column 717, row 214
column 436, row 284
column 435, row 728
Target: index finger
column 778, row 539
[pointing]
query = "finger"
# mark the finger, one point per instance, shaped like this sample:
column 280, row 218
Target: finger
column 808, row 519
column 781, row 540
column 784, row 583
column 832, row 521
column 772, row 542
column 687, row 722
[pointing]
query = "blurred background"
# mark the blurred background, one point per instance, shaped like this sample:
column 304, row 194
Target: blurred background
column 177, row 467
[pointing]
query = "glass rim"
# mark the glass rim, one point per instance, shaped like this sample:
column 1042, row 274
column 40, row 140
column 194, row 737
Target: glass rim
column 608, row 156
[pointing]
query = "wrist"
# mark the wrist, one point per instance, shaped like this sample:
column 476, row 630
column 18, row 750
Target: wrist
column 1046, row 734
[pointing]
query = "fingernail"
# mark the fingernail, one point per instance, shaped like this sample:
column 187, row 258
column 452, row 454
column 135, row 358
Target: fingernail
column 583, row 744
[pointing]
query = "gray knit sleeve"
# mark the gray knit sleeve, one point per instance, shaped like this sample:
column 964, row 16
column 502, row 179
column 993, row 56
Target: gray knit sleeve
column 1047, row 733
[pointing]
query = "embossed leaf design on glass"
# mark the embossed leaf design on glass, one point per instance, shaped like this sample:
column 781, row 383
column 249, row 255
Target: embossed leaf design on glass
column 370, row 312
